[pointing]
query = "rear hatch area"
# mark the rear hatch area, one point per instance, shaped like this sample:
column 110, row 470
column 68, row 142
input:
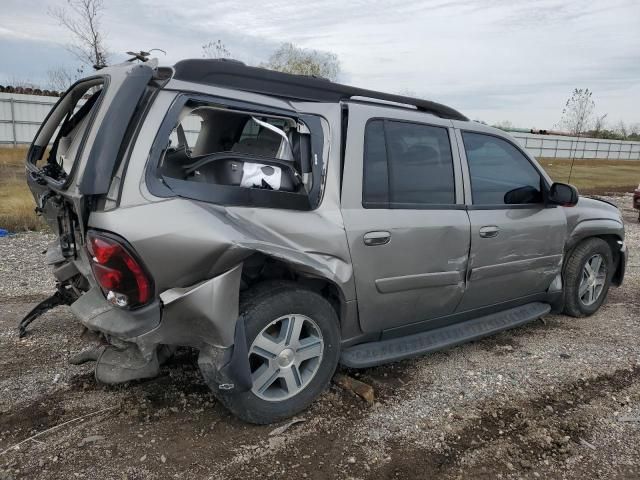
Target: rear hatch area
column 70, row 165
column 76, row 150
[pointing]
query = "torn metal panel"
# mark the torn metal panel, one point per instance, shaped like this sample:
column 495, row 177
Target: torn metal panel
column 123, row 365
column 97, row 314
column 62, row 296
column 202, row 315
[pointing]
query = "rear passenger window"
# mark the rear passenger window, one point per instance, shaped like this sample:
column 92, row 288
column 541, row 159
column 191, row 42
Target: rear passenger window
column 234, row 157
column 500, row 173
column 407, row 165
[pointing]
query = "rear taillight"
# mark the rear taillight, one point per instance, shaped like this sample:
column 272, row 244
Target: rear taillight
column 117, row 270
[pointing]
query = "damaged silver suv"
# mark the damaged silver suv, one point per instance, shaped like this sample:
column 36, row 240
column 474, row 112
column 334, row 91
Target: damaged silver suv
column 282, row 225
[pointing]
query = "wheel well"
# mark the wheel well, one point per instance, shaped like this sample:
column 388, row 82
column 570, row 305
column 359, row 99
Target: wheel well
column 612, row 240
column 259, row 268
column 614, row 245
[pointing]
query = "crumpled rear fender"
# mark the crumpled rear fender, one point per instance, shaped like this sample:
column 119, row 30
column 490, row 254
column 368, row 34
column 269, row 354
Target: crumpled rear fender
column 184, row 242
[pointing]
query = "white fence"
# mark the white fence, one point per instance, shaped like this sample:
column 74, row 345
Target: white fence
column 21, row 115
column 556, row 146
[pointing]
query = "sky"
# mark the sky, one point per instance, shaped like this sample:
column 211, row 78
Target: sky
column 493, row 60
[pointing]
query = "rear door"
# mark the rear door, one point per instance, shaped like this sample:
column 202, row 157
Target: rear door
column 516, row 241
column 404, row 212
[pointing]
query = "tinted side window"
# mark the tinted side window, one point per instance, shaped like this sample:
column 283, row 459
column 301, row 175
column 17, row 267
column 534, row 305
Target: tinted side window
column 375, row 187
column 500, row 173
column 407, row 165
column 420, row 164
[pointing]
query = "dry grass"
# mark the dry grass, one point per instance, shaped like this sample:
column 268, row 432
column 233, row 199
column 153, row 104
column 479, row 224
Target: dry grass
column 595, row 176
column 16, row 202
column 590, row 176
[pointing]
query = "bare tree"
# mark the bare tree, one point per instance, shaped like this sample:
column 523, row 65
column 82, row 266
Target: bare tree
column 83, row 18
column 622, row 129
column 215, row 49
column 599, row 124
column 576, row 117
column 291, row 59
column 61, row 78
column 578, row 112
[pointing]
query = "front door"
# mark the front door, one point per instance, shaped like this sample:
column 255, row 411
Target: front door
column 404, row 213
column 516, row 242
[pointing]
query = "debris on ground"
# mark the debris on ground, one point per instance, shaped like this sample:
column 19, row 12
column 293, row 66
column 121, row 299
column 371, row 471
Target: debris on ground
column 285, row 427
column 361, row 389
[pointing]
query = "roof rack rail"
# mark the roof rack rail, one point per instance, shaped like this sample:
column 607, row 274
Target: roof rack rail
column 293, row 87
column 358, row 98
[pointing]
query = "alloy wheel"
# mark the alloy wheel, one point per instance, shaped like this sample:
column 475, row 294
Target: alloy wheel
column 594, row 276
column 285, row 356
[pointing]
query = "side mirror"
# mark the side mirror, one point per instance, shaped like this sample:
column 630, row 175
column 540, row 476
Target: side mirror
column 563, row 194
column 522, row 195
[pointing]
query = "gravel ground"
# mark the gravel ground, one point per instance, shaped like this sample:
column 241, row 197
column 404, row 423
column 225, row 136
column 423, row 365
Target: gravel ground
column 558, row 398
column 23, row 271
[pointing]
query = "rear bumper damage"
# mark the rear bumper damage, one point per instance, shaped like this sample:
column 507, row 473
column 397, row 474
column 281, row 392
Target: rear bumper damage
column 203, row 316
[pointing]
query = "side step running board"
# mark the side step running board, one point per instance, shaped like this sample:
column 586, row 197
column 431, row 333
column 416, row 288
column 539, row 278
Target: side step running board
column 394, row 349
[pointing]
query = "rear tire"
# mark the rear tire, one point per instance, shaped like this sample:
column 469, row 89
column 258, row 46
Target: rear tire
column 299, row 346
column 585, row 289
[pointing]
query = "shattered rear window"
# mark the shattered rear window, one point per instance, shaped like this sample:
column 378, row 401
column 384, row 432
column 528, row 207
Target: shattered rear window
column 217, row 146
column 63, row 133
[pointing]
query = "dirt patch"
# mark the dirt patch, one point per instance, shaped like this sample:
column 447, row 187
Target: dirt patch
column 517, row 437
column 387, row 380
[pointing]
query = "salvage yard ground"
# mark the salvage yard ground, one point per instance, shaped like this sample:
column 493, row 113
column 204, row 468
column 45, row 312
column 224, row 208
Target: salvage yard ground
column 558, row 398
column 590, row 176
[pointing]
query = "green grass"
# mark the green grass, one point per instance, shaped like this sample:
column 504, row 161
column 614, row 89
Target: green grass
column 590, row 176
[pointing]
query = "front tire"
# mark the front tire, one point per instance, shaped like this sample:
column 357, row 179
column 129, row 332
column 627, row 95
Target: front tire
column 293, row 342
column 588, row 274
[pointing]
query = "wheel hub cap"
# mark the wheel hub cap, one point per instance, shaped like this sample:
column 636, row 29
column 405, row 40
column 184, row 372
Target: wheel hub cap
column 285, row 356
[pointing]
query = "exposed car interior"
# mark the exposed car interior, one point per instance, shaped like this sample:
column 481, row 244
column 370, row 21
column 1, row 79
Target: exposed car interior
column 219, row 146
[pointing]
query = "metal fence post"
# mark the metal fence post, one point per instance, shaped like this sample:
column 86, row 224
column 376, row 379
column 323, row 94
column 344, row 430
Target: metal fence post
column 13, row 122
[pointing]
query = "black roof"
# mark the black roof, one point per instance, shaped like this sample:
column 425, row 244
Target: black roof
column 234, row 74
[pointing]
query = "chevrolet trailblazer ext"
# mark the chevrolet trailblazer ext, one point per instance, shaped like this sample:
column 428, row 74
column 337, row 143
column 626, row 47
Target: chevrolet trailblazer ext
column 282, row 224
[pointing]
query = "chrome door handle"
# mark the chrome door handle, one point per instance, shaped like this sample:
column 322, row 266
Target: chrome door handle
column 489, row 231
column 376, row 238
